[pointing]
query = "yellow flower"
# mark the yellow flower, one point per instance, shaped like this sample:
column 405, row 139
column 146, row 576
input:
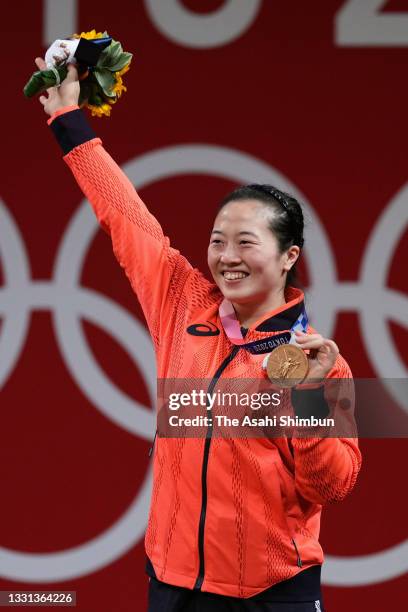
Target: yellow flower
column 119, row 87
column 99, row 111
column 124, row 69
column 89, row 35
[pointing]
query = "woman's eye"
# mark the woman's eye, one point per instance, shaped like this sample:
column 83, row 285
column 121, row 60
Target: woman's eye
column 245, row 242
column 215, row 241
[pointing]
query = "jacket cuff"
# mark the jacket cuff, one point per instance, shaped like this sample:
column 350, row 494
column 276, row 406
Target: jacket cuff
column 70, row 128
column 62, row 111
column 310, row 402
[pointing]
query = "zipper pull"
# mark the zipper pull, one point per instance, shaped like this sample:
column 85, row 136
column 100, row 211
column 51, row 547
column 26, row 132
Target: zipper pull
column 299, row 560
column 152, row 446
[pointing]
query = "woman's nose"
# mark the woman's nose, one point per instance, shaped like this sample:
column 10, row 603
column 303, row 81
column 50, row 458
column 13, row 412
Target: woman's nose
column 230, row 255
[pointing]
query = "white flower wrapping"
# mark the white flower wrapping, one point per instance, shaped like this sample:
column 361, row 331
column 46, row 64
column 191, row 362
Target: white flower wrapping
column 61, row 51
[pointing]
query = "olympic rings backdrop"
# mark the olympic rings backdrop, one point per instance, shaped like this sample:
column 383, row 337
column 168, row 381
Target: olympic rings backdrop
column 312, row 97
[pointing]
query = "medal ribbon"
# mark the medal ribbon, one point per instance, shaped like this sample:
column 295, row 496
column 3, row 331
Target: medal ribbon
column 232, row 329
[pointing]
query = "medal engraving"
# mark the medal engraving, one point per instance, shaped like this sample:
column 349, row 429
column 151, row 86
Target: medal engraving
column 287, row 365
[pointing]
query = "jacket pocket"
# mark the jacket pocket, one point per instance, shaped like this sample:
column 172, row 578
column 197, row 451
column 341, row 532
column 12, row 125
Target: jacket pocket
column 151, row 449
column 298, row 558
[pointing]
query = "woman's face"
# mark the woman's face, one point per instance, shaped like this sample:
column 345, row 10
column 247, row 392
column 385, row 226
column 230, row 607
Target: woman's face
column 243, row 254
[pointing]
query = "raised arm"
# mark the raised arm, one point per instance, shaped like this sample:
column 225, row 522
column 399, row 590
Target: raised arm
column 157, row 272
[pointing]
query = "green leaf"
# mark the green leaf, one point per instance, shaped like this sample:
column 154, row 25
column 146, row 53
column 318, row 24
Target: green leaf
column 110, row 55
column 42, row 79
column 106, row 80
column 115, row 51
column 103, row 58
column 122, row 62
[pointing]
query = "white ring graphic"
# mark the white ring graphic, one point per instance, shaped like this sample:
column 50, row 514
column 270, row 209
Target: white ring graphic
column 69, row 302
column 133, row 336
column 188, row 29
column 16, row 270
column 366, row 569
column 86, row 558
column 374, row 272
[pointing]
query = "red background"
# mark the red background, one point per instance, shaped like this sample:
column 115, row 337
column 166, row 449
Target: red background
column 332, row 119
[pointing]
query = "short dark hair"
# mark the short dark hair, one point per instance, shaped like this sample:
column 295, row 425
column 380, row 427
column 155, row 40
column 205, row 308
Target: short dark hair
column 286, row 223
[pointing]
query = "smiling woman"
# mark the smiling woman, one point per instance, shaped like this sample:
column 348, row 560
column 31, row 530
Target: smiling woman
column 234, row 522
column 255, row 244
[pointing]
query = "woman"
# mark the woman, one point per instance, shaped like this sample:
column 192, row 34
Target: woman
column 234, row 523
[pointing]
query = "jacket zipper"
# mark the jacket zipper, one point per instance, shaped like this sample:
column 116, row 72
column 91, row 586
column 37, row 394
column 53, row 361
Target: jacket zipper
column 299, row 560
column 200, row 577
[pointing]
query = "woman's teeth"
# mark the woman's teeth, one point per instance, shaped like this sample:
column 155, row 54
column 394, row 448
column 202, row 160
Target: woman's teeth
column 234, row 275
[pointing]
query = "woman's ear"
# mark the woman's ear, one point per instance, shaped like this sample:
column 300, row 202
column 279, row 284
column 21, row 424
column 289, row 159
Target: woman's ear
column 291, row 256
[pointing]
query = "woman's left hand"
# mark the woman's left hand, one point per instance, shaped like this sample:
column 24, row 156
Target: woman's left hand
column 323, row 353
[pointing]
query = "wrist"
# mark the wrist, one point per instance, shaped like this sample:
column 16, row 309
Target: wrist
column 309, row 401
column 316, row 373
column 66, row 108
column 71, row 128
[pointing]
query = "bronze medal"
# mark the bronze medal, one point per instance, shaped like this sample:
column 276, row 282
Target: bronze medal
column 287, row 365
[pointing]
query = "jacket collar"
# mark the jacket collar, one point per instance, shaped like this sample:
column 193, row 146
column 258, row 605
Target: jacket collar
column 282, row 318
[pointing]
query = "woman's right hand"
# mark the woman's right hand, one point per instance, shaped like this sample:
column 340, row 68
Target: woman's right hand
column 67, row 94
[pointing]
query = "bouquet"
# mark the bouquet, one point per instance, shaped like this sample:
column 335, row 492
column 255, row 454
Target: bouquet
column 101, row 64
